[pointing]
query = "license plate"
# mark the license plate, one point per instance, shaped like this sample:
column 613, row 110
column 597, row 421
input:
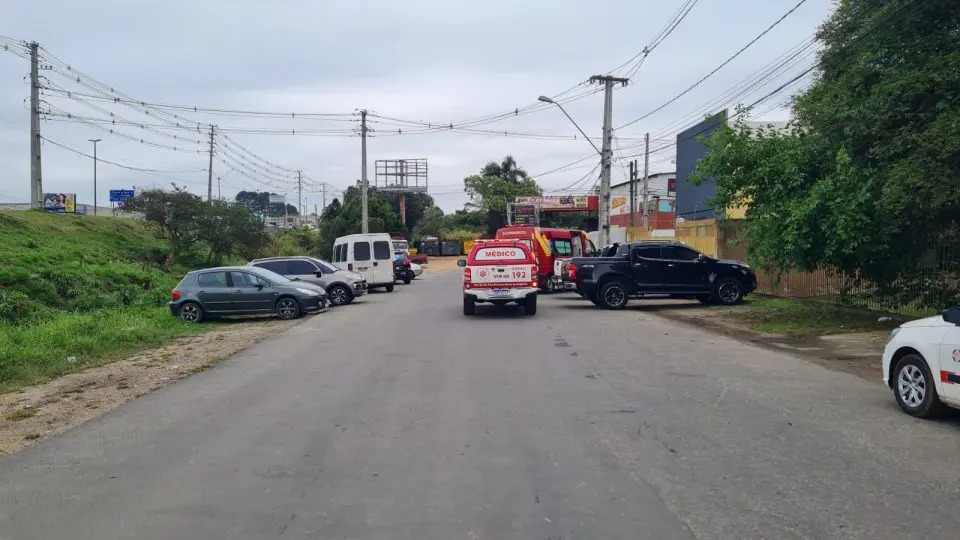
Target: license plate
column 499, row 293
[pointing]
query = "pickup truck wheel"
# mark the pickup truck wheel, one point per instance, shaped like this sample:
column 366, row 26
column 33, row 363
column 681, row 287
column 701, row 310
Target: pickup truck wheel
column 728, row 292
column 705, row 298
column 530, row 305
column 613, row 295
column 469, row 306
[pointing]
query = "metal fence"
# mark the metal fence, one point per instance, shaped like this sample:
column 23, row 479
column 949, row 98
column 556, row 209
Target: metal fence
column 932, row 287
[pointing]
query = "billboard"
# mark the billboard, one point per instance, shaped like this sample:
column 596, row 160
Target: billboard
column 572, row 203
column 121, row 195
column 276, row 199
column 62, row 203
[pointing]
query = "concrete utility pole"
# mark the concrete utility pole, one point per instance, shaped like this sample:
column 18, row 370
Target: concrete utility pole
column 646, row 180
column 300, row 193
column 210, row 168
column 94, row 141
column 606, row 153
column 364, row 215
column 36, row 181
column 633, row 193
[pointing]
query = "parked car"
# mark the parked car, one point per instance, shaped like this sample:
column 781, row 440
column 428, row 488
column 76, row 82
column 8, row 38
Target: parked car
column 921, row 364
column 417, row 269
column 368, row 254
column 342, row 286
column 500, row 272
column 243, row 290
column 660, row 268
column 402, row 268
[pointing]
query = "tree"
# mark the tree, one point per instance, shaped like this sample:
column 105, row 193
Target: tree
column 495, row 186
column 259, row 201
column 869, row 176
column 506, row 169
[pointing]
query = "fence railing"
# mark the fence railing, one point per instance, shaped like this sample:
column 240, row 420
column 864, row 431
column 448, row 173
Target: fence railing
column 932, row 287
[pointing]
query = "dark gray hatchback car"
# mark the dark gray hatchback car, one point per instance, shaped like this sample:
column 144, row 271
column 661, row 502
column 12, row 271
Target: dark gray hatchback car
column 243, row 290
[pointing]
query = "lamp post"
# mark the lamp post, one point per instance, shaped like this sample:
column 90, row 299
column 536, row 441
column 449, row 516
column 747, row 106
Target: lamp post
column 545, row 99
column 94, row 141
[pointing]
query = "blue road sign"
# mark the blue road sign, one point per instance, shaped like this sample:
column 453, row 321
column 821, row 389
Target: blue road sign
column 120, row 195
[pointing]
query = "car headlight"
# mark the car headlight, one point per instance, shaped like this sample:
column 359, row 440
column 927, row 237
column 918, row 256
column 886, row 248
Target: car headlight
column 894, row 332
column 308, row 292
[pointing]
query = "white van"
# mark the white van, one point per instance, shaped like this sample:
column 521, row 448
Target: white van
column 369, row 254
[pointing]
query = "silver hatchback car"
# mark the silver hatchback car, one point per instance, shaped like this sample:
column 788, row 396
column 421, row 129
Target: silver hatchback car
column 342, row 286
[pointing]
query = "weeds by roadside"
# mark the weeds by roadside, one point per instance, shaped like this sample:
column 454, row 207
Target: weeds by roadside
column 801, row 319
column 70, row 342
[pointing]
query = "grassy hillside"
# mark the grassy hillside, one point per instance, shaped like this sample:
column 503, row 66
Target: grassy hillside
column 82, row 287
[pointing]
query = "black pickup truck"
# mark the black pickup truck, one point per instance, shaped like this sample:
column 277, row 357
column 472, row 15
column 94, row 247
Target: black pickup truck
column 660, row 268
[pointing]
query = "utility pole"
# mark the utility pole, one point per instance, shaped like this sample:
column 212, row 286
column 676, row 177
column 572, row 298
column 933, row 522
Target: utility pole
column 606, row 153
column 633, row 193
column 300, row 193
column 94, row 141
column 364, row 215
column 210, row 168
column 36, row 182
column 646, row 180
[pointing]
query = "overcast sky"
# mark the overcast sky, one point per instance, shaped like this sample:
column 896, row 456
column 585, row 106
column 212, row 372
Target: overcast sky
column 419, row 60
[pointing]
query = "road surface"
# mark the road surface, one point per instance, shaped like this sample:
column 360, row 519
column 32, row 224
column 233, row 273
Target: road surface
column 398, row 418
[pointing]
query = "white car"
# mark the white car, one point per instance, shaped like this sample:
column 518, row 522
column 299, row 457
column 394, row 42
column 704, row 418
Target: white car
column 921, row 364
column 417, row 269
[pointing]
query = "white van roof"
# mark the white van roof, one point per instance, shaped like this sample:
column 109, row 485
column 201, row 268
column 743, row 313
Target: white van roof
column 362, row 236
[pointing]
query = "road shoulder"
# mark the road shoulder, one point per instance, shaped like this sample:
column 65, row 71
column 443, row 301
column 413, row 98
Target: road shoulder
column 838, row 338
column 34, row 413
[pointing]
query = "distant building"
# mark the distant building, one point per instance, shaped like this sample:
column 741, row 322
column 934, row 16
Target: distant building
column 693, row 201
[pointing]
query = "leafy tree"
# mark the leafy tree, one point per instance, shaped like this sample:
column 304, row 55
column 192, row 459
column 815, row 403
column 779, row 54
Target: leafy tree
column 869, row 176
column 495, row 186
column 259, row 201
column 506, row 169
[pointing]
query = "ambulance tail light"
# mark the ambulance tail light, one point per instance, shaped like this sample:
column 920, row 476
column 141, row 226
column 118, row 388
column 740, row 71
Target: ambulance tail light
column 467, row 276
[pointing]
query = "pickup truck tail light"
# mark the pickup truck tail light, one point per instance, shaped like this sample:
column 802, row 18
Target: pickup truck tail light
column 533, row 275
column 572, row 271
column 175, row 295
column 467, row 276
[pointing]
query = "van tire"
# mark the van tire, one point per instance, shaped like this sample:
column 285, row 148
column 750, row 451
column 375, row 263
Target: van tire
column 530, row 305
column 389, row 288
column 469, row 306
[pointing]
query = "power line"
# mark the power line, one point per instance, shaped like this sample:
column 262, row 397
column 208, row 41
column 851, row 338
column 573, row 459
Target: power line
column 115, row 164
column 716, row 69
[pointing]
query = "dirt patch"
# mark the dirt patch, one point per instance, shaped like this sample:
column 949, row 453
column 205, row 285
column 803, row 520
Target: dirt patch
column 34, row 413
column 858, row 353
column 442, row 264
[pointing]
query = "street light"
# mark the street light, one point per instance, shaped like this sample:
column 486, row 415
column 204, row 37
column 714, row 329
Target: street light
column 94, row 141
column 545, row 99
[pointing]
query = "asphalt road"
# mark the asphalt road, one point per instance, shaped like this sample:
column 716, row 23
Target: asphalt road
column 398, row 418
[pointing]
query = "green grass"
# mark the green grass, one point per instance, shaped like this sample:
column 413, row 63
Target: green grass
column 37, row 352
column 799, row 318
column 92, row 288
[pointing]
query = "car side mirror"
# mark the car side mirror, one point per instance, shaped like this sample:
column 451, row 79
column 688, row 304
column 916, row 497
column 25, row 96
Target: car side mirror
column 951, row 316
column 319, row 273
column 462, row 263
column 259, row 286
column 701, row 257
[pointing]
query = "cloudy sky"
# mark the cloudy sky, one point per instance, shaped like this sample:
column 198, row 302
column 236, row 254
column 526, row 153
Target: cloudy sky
column 431, row 61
